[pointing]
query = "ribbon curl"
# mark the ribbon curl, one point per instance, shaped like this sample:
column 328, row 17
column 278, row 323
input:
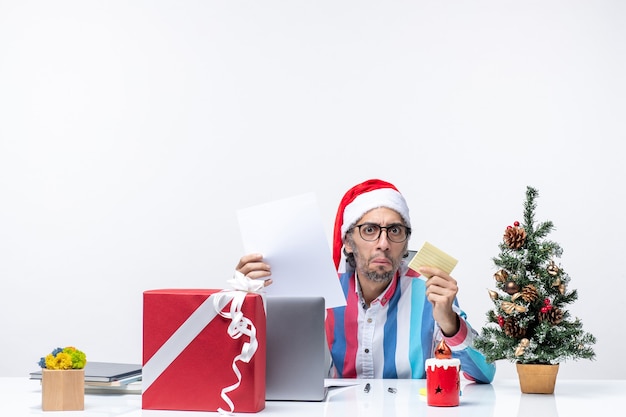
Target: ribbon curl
column 239, row 325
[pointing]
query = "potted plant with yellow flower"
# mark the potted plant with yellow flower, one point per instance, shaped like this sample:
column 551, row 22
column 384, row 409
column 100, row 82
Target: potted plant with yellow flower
column 63, row 380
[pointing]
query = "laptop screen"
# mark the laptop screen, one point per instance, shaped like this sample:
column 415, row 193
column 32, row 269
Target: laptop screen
column 297, row 363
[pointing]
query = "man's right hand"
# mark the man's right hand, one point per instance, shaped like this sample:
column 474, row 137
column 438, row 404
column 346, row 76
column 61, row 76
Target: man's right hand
column 253, row 267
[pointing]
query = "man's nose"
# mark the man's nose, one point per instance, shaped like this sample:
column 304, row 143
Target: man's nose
column 383, row 239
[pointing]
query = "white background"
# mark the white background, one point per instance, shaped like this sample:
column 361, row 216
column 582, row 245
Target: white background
column 131, row 132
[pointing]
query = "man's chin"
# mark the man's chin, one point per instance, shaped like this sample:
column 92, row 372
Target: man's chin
column 379, row 276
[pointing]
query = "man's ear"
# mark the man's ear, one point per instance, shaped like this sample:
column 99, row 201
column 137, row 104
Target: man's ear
column 347, row 248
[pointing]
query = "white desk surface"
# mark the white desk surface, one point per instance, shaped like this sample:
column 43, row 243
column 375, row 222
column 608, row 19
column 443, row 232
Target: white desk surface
column 22, row 396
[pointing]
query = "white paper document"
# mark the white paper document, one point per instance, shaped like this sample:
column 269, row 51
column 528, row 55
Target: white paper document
column 290, row 235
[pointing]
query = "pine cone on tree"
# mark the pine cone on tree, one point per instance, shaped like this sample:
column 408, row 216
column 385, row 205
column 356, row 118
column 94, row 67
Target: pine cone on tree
column 512, row 328
column 553, row 315
column 529, row 293
column 515, row 237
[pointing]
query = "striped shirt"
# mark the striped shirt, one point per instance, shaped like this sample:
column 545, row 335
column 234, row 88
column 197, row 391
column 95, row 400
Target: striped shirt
column 393, row 337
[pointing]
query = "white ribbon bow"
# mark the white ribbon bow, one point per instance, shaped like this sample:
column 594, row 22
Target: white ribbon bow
column 239, row 326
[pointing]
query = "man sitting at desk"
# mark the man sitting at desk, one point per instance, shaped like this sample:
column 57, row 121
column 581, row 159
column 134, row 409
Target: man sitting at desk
column 392, row 321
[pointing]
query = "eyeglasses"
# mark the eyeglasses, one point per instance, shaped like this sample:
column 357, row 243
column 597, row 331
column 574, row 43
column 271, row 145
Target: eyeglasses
column 371, row 232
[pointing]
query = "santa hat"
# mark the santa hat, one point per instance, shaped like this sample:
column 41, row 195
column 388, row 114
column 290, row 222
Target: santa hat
column 359, row 200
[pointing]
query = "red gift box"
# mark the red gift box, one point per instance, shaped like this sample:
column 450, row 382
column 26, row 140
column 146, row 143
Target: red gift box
column 189, row 356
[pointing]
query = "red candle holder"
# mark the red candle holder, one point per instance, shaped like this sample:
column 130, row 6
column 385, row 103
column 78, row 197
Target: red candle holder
column 443, row 382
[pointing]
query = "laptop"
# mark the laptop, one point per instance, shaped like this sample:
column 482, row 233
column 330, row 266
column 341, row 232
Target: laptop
column 297, row 363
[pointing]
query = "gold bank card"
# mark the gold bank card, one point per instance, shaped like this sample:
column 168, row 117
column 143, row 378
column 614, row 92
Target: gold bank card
column 431, row 256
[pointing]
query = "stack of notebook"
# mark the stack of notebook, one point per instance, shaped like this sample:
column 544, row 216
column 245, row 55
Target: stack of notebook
column 108, row 375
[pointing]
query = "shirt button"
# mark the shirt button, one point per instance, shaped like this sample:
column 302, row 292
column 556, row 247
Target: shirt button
column 369, row 320
column 367, row 351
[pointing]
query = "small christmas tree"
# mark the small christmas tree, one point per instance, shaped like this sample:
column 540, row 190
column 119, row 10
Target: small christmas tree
column 529, row 323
